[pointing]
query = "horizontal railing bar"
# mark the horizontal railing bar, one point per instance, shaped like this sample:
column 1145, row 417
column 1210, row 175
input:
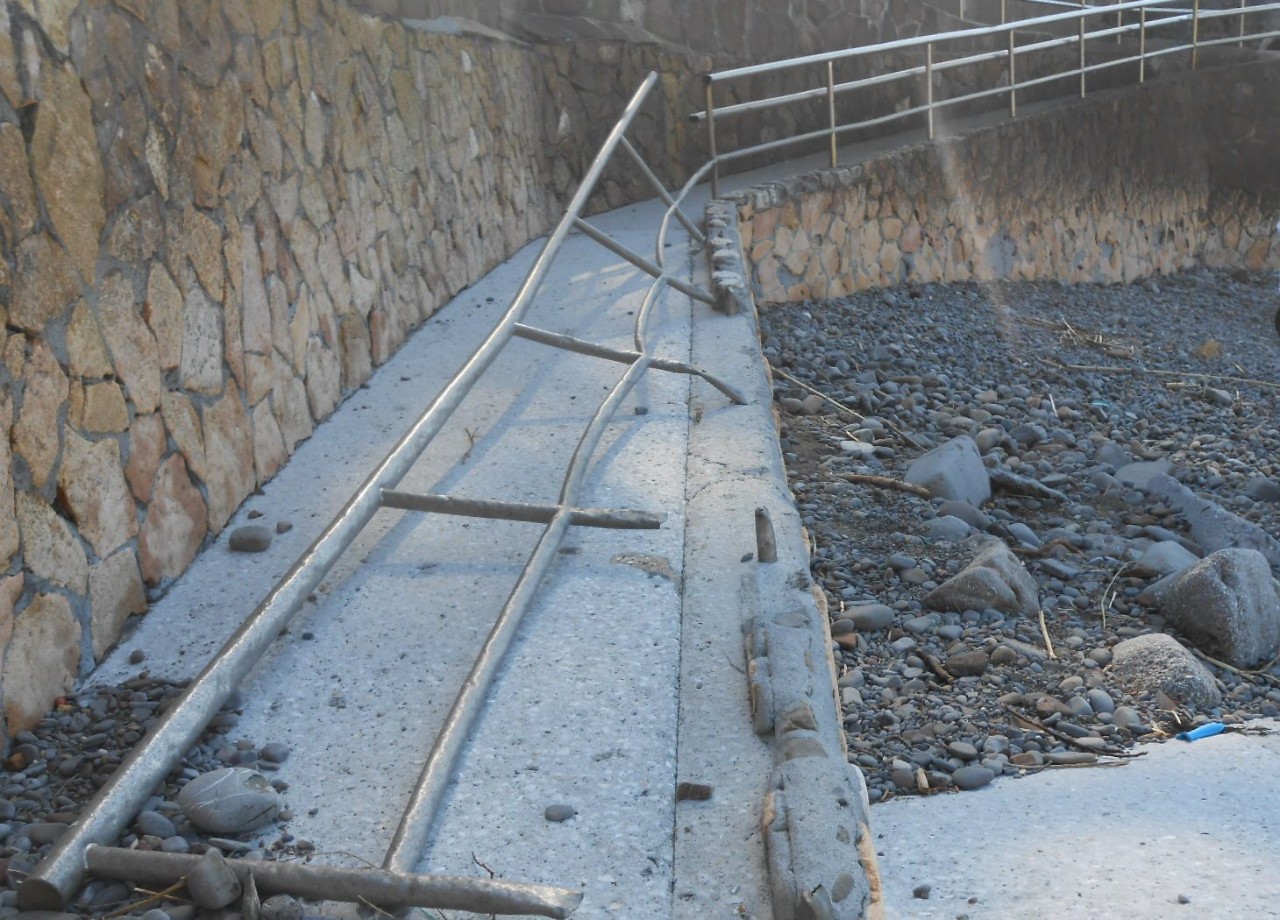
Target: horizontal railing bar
column 526, row 512
column 583, row 347
column 640, row 261
column 917, row 41
column 337, row 883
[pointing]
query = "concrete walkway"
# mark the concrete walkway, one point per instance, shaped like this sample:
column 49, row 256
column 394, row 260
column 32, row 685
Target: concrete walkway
column 587, row 713
column 630, row 673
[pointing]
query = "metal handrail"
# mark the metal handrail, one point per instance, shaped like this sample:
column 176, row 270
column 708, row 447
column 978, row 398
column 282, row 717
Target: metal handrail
column 827, row 87
column 63, row 869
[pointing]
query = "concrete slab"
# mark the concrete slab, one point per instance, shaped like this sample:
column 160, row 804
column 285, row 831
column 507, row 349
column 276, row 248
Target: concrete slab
column 1188, row 830
column 586, row 712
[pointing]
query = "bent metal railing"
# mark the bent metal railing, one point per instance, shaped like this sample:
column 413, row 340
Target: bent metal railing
column 86, row 844
column 1135, row 20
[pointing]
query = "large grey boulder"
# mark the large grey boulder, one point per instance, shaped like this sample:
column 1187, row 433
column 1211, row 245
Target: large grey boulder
column 1158, row 661
column 1212, row 526
column 995, row 578
column 1227, row 604
column 1165, row 558
column 953, row 470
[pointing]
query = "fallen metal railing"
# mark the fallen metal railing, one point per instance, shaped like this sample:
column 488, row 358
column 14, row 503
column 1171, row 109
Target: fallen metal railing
column 85, row 845
column 1150, row 15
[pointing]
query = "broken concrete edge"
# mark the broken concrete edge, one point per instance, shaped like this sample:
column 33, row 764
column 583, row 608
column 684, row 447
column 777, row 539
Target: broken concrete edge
column 814, row 812
column 724, row 250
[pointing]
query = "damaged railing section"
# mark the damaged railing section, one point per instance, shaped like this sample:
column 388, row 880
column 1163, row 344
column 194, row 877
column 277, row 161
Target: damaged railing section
column 82, row 848
column 1154, row 28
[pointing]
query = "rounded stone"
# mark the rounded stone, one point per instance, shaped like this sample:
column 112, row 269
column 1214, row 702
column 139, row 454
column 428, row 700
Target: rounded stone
column 231, row 800
column 972, row 777
column 251, row 538
column 281, row 907
column 559, row 812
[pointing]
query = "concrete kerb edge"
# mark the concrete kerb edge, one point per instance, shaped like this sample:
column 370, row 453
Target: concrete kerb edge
column 815, row 815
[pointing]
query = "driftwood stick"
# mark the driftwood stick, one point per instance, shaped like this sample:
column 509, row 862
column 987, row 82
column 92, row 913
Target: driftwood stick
column 1039, row 726
column 1107, row 369
column 885, row 482
column 858, row 416
column 1048, row 643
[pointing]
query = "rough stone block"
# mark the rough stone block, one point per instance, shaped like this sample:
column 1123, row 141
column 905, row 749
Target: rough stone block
column 995, row 578
column 175, row 525
column 953, row 470
column 50, row 548
column 43, row 658
column 68, row 167
column 115, row 594
column 36, row 433
column 92, row 484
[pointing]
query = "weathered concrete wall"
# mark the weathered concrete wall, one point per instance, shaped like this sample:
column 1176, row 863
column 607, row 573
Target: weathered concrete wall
column 215, row 219
column 1136, row 181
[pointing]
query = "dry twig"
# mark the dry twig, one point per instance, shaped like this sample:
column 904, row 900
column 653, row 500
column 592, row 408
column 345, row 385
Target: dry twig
column 1048, row 643
column 858, row 416
column 166, row 894
column 885, row 482
column 1103, row 369
column 1039, row 726
column 1263, row 672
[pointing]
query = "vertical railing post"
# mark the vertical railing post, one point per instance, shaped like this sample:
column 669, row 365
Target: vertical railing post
column 1082, row 58
column 1004, row 11
column 1142, row 45
column 1013, row 77
column 831, row 109
column 1119, row 22
column 711, row 137
column 1240, row 44
column 1195, row 33
column 928, row 86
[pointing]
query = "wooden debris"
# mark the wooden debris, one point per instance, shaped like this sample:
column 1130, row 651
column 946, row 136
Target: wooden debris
column 885, row 482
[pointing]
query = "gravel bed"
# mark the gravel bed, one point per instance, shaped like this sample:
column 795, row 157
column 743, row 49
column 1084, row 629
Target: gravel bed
column 1064, row 385
column 53, row 770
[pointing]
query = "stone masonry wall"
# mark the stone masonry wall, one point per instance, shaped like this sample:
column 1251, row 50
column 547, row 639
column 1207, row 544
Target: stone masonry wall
column 732, row 31
column 216, row 218
column 1153, row 178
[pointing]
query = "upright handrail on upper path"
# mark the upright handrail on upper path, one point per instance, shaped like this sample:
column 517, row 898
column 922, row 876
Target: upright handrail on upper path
column 1158, row 28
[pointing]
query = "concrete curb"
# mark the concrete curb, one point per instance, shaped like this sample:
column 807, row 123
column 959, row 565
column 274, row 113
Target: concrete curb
column 819, row 854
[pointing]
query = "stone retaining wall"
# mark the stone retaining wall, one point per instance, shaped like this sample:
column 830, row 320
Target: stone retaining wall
column 1149, row 179
column 216, row 218
column 734, row 31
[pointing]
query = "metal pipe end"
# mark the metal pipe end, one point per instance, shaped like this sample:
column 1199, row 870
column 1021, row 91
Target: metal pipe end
column 37, row 894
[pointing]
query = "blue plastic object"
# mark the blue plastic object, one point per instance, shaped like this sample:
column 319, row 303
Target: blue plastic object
column 1208, row 730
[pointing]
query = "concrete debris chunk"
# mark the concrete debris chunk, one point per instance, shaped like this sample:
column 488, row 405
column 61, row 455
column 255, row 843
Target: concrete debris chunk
column 994, row 579
column 953, row 470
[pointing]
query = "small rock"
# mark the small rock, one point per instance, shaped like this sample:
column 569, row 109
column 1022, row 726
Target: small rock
column 995, row 578
column 1262, row 490
column 211, row 884
column 921, row 892
column 137, row 656
column 281, row 907
column 283, row 526
column 972, row 777
column 155, row 824
column 966, row 664
column 251, row 538
column 559, row 813
column 274, row 752
column 869, row 617
column 1159, row 662
column 1100, row 700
